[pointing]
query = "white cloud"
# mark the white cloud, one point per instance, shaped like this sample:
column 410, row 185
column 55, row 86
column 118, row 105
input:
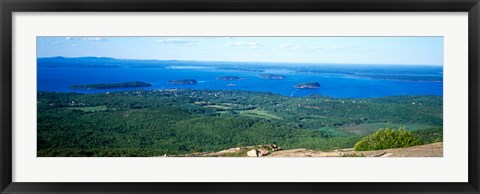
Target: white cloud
column 88, row 38
column 296, row 47
column 290, row 47
column 179, row 41
column 252, row 45
column 92, row 38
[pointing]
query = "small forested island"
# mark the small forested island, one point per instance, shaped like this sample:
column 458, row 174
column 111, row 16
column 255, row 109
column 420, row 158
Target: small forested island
column 271, row 76
column 111, row 85
column 230, row 78
column 308, row 85
column 183, row 82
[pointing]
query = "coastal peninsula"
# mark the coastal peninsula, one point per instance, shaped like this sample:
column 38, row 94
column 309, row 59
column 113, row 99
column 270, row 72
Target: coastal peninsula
column 111, row 85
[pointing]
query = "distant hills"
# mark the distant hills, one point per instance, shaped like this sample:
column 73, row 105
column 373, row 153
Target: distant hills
column 77, row 62
column 101, row 62
column 380, row 72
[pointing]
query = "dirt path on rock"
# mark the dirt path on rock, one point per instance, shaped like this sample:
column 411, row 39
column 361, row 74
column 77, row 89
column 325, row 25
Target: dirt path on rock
column 428, row 150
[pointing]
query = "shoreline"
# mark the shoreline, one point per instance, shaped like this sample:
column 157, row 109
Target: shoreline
column 150, row 89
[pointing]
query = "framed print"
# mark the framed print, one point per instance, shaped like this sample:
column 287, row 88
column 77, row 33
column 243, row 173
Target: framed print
column 239, row 97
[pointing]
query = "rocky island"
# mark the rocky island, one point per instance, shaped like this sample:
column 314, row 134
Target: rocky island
column 271, row 76
column 230, row 78
column 183, row 82
column 308, row 85
column 110, row 85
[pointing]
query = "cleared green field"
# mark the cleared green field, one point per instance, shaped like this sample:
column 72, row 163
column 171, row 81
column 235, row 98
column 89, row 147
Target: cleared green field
column 91, row 108
column 259, row 113
column 332, row 132
column 218, row 106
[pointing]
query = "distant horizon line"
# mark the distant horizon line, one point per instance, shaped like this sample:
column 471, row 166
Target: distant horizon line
column 186, row 60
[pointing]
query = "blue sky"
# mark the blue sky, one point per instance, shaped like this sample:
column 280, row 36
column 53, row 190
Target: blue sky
column 344, row 50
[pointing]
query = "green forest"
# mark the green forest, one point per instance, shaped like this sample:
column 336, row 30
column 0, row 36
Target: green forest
column 184, row 121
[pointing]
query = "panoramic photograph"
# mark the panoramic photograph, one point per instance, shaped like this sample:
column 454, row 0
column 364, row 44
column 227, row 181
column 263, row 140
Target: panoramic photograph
column 239, row 96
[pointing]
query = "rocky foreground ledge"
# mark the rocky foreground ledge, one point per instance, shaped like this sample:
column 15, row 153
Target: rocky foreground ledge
column 272, row 150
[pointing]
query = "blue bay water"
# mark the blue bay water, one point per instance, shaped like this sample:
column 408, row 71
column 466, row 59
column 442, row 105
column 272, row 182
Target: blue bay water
column 334, row 85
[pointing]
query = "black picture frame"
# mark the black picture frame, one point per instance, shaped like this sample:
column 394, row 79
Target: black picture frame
column 8, row 7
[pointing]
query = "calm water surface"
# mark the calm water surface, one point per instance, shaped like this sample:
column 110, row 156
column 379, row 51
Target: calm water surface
column 333, row 85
